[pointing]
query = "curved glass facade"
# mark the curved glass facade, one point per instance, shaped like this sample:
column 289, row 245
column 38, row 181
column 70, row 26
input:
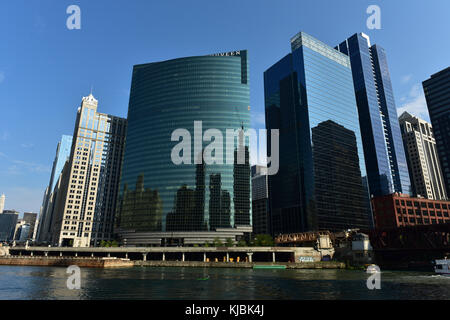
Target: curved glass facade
column 157, row 195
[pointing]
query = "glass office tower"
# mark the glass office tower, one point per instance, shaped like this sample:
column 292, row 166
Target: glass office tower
column 387, row 168
column 159, row 198
column 437, row 94
column 62, row 155
column 309, row 97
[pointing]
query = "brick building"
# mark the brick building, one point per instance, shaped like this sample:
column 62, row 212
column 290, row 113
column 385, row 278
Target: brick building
column 397, row 210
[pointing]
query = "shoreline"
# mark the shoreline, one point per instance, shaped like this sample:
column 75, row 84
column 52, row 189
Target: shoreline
column 248, row 265
column 97, row 262
column 82, row 262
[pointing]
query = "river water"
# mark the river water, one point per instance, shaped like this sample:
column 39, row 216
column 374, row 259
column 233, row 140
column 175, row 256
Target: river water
column 173, row 283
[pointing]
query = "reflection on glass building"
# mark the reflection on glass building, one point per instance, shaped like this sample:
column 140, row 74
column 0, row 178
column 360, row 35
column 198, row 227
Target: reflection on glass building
column 62, row 155
column 309, row 97
column 141, row 207
column 387, row 168
column 241, row 186
column 195, row 200
column 340, row 196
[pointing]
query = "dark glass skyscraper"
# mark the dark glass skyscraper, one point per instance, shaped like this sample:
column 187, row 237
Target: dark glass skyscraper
column 386, row 164
column 309, row 97
column 8, row 221
column 184, row 198
column 437, row 94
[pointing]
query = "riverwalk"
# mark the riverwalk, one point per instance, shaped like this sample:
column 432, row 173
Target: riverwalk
column 86, row 262
column 89, row 262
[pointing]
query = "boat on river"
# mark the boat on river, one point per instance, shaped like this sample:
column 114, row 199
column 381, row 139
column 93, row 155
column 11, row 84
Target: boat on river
column 442, row 266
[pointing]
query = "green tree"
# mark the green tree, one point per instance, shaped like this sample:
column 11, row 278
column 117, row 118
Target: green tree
column 217, row 243
column 263, row 240
column 242, row 243
column 229, row 242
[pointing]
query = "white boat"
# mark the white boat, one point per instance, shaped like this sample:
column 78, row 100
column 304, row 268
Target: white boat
column 442, row 266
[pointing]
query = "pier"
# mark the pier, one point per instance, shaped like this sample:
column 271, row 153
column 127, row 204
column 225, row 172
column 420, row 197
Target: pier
column 243, row 257
column 86, row 262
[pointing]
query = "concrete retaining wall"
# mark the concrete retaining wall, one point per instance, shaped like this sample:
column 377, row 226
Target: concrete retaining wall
column 65, row 262
column 306, row 265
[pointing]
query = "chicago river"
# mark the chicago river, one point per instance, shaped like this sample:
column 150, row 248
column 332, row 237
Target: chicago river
column 172, row 283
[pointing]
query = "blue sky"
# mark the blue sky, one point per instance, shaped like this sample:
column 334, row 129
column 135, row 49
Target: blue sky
column 45, row 68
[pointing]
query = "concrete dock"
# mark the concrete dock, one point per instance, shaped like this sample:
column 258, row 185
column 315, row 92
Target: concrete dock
column 65, row 262
column 220, row 257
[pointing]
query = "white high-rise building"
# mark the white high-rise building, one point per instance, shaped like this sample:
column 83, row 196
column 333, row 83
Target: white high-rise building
column 2, row 203
column 87, row 189
column 423, row 162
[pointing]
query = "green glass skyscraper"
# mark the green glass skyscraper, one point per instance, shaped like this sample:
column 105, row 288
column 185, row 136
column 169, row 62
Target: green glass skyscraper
column 161, row 202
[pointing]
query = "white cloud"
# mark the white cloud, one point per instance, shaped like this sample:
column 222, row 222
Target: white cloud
column 19, row 167
column 406, row 78
column 27, row 145
column 31, row 166
column 415, row 103
column 13, row 170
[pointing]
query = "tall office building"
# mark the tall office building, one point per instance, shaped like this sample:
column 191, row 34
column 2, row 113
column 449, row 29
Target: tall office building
column 84, row 205
column 185, row 203
column 62, row 155
column 18, row 228
column 423, row 162
column 310, row 98
column 24, row 232
column 2, row 203
column 8, row 222
column 437, row 94
column 30, row 219
column 260, row 195
column 387, row 169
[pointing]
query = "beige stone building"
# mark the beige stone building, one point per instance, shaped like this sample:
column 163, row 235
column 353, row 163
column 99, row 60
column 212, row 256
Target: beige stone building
column 423, row 162
column 86, row 200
